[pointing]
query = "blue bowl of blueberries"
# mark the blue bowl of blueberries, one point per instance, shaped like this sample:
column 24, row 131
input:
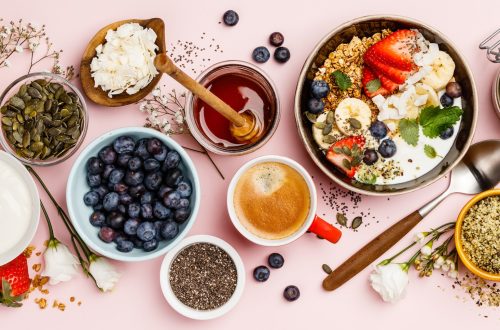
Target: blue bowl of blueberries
column 133, row 194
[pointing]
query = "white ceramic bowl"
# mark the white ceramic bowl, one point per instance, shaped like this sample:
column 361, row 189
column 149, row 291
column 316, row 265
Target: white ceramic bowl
column 19, row 247
column 187, row 311
column 77, row 187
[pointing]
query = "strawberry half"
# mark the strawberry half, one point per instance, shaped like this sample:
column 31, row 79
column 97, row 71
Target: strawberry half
column 14, row 281
column 347, row 154
column 396, row 50
column 378, row 65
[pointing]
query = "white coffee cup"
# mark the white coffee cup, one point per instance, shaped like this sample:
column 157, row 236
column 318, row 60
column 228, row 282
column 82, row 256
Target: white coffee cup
column 313, row 222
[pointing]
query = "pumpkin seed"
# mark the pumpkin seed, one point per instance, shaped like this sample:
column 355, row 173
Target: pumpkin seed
column 326, row 269
column 311, row 117
column 327, row 129
column 346, row 151
column 7, row 121
column 356, row 222
column 329, row 139
column 341, row 219
column 34, row 93
column 346, row 164
column 330, row 117
column 355, row 124
column 338, row 150
column 320, row 124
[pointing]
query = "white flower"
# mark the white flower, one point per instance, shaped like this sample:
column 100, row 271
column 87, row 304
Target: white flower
column 419, row 238
column 166, row 127
column 143, row 107
column 7, row 63
column 19, row 49
column 32, row 46
column 60, row 263
column 453, row 274
column 104, row 273
column 179, row 118
column 426, row 250
column 445, row 267
column 439, row 261
column 156, row 92
column 390, row 281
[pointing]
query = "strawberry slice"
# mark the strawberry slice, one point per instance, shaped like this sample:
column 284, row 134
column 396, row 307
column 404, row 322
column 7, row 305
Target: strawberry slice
column 396, row 75
column 396, row 50
column 14, row 281
column 387, row 83
column 347, row 154
column 368, row 76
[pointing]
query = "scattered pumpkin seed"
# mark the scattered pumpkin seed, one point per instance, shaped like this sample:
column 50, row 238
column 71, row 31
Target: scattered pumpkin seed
column 326, row 269
column 356, row 222
column 341, row 219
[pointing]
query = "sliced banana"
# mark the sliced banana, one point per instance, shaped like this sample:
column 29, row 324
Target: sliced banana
column 352, row 116
column 325, row 141
column 442, row 69
column 424, row 96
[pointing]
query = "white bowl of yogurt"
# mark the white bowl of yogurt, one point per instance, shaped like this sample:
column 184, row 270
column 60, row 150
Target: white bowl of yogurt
column 19, row 208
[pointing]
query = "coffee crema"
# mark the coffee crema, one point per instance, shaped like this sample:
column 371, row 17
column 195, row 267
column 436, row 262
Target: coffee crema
column 272, row 200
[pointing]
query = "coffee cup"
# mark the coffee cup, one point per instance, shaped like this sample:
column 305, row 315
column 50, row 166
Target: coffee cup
column 272, row 201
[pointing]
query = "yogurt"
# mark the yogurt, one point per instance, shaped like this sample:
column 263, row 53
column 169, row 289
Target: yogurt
column 16, row 207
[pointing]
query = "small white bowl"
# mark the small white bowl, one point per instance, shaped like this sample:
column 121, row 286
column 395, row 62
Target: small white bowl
column 77, row 187
column 19, row 247
column 187, row 311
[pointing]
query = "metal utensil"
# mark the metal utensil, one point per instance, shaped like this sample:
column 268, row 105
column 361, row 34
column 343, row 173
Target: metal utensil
column 492, row 46
column 479, row 170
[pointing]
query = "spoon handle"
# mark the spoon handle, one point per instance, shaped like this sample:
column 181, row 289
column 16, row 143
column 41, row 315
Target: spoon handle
column 371, row 251
column 164, row 64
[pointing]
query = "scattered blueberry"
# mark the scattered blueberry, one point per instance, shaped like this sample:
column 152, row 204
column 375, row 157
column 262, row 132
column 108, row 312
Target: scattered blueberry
column 261, row 54
column 94, row 180
column 378, row 129
column 130, row 226
column 169, row 230
column 276, row 39
column 123, row 160
column 315, row 106
column 282, row 54
column 134, row 178
column 116, row 175
column 150, row 245
column 261, row 273
column 447, row 133
column 387, row 148
column 110, row 201
column 107, row 155
column 151, row 165
column 370, row 157
column 124, row 144
column 291, row 293
column 181, row 215
column 446, row 101
column 91, row 198
column 230, row 18
column 146, row 231
column 95, row 165
column 97, row 219
column 153, row 180
column 134, row 163
column 184, row 189
column 453, row 89
column 275, row 260
column 319, row 89
column 125, row 246
column 106, row 234
column 171, row 161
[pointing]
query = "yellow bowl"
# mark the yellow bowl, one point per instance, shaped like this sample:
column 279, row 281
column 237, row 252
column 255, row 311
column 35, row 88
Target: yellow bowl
column 458, row 237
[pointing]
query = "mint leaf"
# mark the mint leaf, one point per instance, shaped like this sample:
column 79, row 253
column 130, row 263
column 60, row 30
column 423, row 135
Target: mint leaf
column 342, row 80
column 430, row 151
column 408, row 129
column 435, row 120
column 373, row 85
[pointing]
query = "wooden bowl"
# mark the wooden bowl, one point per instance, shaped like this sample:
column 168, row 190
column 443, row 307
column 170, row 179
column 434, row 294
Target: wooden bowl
column 98, row 95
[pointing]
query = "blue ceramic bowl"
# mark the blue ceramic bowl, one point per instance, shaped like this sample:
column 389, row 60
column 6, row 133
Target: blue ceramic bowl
column 77, row 187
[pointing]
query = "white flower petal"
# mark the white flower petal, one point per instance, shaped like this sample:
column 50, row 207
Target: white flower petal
column 104, row 273
column 60, row 263
column 390, row 281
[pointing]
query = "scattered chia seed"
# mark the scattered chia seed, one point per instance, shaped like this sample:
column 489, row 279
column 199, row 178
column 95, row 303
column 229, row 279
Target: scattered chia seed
column 480, row 291
column 203, row 276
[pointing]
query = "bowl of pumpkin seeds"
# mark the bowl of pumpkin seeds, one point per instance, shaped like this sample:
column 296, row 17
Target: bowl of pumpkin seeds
column 43, row 119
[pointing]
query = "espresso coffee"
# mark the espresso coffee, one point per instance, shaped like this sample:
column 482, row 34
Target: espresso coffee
column 272, row 200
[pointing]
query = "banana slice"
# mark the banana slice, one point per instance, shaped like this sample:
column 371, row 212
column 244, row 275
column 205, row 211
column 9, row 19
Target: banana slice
column 352, row 116
column 424, row 96
column 442, row 69
column 325, row 141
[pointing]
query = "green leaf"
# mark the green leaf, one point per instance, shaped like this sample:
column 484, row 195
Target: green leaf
column 408, row 128
column 6, row 297
column 373, row 85
column 430, row 151
column 435, row 120
column 342, row 80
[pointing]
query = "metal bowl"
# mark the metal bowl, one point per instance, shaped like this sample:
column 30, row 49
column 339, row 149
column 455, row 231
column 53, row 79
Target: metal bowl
column 367, row 26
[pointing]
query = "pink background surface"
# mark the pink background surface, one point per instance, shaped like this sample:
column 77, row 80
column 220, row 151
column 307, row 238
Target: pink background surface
column 137, row 300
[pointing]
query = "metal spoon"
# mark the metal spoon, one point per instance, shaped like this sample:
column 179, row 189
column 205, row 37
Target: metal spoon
column 479, row 170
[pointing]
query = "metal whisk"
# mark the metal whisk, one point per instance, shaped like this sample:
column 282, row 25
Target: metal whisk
column 492, row 46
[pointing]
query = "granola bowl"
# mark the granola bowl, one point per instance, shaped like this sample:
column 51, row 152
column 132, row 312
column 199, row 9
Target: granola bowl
column 320, row 65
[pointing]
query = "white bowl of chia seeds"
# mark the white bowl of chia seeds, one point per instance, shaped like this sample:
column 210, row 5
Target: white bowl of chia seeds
column 202, row 277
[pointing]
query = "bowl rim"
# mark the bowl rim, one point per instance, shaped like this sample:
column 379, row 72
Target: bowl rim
column 458, row 241
column 88, row 151
column 189, row 312
column 302, row 77
column 83, row 133
column 19, row 167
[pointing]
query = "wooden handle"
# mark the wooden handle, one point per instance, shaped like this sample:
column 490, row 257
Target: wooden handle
column 164, row 64
column 370, row 252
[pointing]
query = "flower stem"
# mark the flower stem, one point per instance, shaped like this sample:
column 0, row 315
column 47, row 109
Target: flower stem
column 389, row 260
column 49, row 224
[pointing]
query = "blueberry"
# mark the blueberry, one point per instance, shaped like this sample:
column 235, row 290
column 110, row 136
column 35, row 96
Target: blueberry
column 134, row 210
column 95, row 165
column 137, row 242
column 107, row 171
column 151, row 165
column 446, row 101
column 122, row 209
column 160, row 211
column 230, row 18
column 181, row 215
column 116, row 175
column 152, row 181
column 107, row 155
column 110, row 201
column 97, row 219
column 94, row 180
column 184, row 189
column 315, row 106
column 172, row 200
column 184, row 203
column 378, row 129
column 276, row 39
column 98, row 207
column 125, row 199
column 261, row 54
column 124, row 144
column 147, row 211
column 106, row 234
column 453, row 89
column 173, row 177
column 141, row 149
column 134, row 178
column 115, row 220
column 162, row 154
column 319, row 89
column 447, row 133
column 120, row 236
column 146, row 231
column 130, row 226
column 123, row 160
column 291, row 293
column 137, row 191
column 275, row 260
column 91, row 198
column 282, row 54
column 125, row 246
column 158, row 224
column 163, row 191
column 154, row 146
column 171, row 161
column 120, row 187
column 147, row 198
column 101, row 190
column 370, row 157
column 134, row 163
column 261, row 273
column 150, row 245
column 169, row 230
column 387, row 148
